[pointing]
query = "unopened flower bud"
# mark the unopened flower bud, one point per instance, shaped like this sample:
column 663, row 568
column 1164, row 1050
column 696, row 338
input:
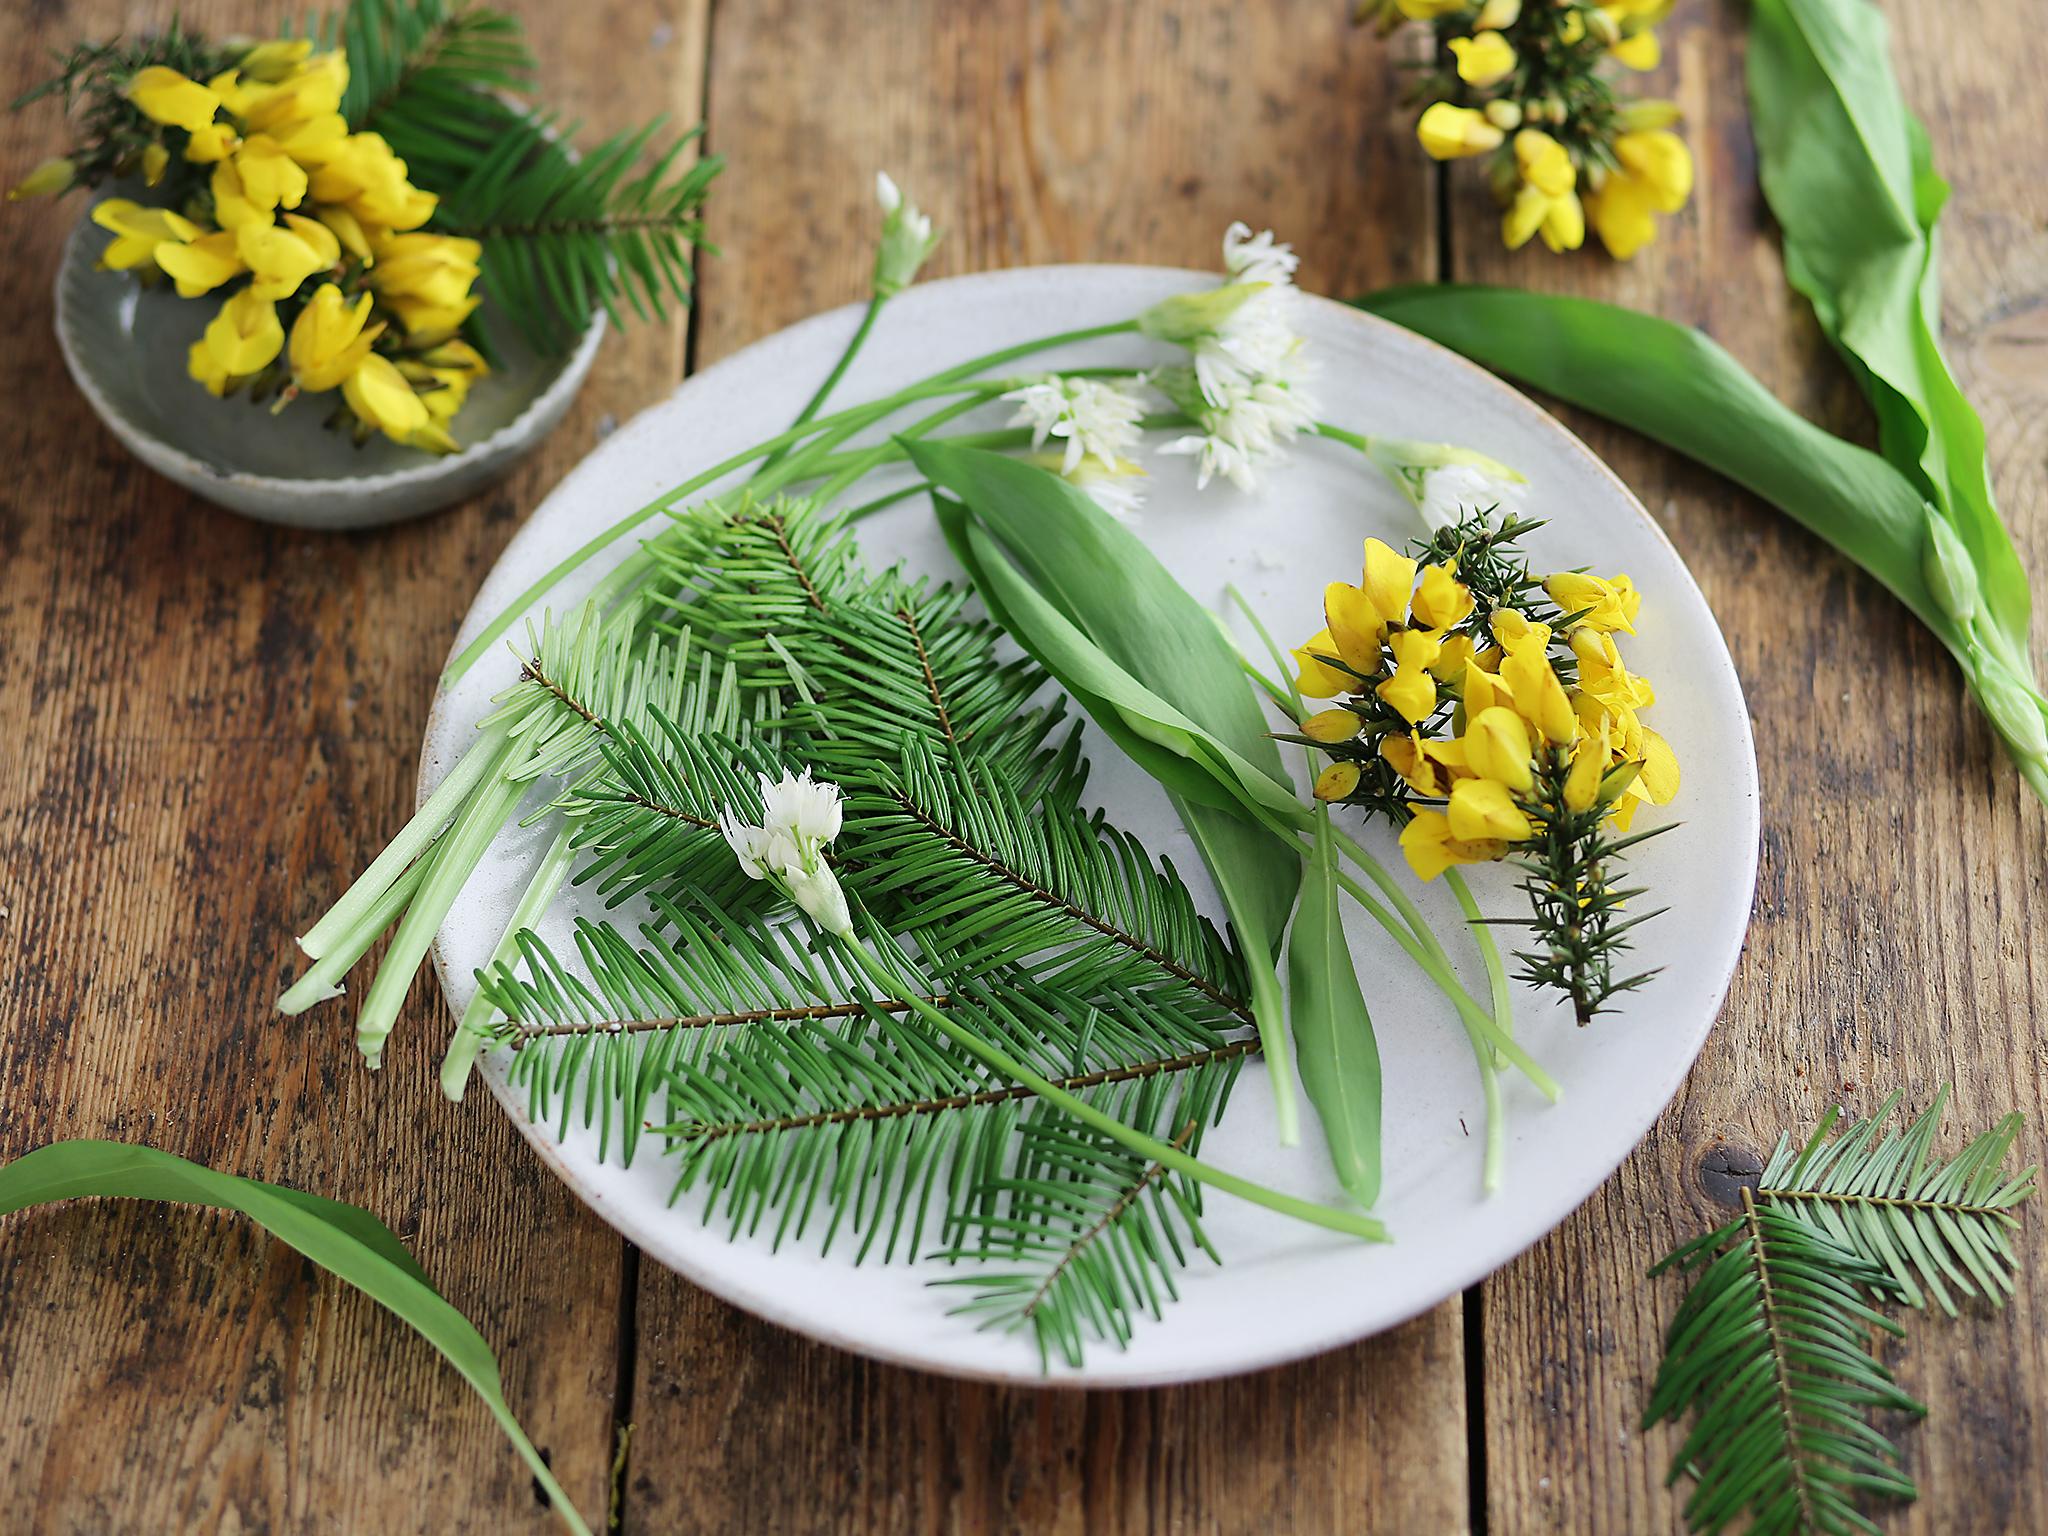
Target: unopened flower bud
column 1503, row 114
column 1951, row 573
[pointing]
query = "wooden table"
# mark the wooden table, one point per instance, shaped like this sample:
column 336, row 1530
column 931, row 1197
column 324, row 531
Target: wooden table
column 210, row 724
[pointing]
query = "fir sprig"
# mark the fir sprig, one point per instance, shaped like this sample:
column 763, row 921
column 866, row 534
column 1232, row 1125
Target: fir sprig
column 1770, row 1348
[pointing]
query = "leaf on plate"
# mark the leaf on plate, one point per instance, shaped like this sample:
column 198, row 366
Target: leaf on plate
column 1340, row 1058
column 1097, row 610
column 340, row 1238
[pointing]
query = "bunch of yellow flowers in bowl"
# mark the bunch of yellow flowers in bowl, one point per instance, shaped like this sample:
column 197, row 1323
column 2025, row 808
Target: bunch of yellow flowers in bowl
column 366, row 220
column 1524, row 85
column 326, row 228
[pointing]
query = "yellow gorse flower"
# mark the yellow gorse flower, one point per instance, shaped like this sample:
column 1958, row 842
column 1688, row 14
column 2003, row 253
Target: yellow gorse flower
column 330, row 339
column 382, row 398
column 312, row 236
column 165, row 96
column 1547, row 199
column 1452, row 133
column 1530, row 88
column 1403, row 636
column 139, row 233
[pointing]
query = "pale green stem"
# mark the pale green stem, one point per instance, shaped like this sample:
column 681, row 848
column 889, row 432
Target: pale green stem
column 454, row 858
column 1504, row 1015
column 323, row 978
column 1150, row 1147
column 412, row 840
column 824, row 390
column 942, row 383
column 1440, row 972
column 470, row 1036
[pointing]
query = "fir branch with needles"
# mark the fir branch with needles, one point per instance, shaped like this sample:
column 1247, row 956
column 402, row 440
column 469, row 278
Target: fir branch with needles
column 1769, row 1351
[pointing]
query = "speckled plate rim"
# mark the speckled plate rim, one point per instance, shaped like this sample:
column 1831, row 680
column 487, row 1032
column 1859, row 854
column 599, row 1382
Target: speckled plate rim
column 1521, row 1227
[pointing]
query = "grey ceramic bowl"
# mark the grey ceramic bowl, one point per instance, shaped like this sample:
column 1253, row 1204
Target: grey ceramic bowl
column 126, row 346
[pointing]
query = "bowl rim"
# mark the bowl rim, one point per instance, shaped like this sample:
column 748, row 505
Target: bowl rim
column 568, row 380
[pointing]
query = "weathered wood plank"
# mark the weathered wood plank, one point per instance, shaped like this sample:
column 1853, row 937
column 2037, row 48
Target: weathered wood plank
column 1901, row 857
column 211, row 725
column 1036, row 133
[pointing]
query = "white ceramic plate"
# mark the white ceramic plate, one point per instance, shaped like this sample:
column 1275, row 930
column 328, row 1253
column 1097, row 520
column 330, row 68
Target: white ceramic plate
column 1284, row 1290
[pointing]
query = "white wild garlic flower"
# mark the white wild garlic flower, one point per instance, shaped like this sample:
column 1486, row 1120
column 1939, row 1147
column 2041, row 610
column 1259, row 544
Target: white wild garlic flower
column 907, row 239
column 1094, row 418
column 799, row 817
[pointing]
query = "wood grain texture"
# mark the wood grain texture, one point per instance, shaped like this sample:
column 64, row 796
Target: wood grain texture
column 210, row 726
column 1902, row 859
column 1038, row 133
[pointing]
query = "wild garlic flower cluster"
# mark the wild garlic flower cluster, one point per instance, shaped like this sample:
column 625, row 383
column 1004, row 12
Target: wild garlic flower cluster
column 1523, row 82
column 800, row 817
column 312, row 231
column 1464, row 685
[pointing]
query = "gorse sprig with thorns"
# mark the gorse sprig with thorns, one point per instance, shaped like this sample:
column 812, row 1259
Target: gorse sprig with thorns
column 1486, row 714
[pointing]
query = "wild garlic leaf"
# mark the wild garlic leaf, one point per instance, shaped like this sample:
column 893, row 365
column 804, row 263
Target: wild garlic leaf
column 342, row 1239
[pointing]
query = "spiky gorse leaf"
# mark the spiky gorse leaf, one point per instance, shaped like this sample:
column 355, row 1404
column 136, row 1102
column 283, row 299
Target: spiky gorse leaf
column 1770, row 1348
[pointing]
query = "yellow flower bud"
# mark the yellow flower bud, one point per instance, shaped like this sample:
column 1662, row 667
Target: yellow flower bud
column 443, row 374
column 1442, row 600
column 155, row 161
column 270, row 178
column 1503, row 114
column 1659, row 778
column 165, row 96
column 1484, row 59
column 1497, row 746
column 1622, row 216
column 272, row 61
column 1410, row 757
column 1647, row 112
column 1451, row 133
column 213, row 143
column 1496, row 15
column 1452, row 659
column 1484, row 810
column 1336, row 781
column 1315, row 678
column 1639, row 51
column 1331, row 726
column 46, row 180
column 1589, row 765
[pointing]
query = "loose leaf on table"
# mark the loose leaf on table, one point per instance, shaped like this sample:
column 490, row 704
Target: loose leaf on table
column 1095, row 608
column 341, row 1238
column 1676, row 385
column 1849, row 174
